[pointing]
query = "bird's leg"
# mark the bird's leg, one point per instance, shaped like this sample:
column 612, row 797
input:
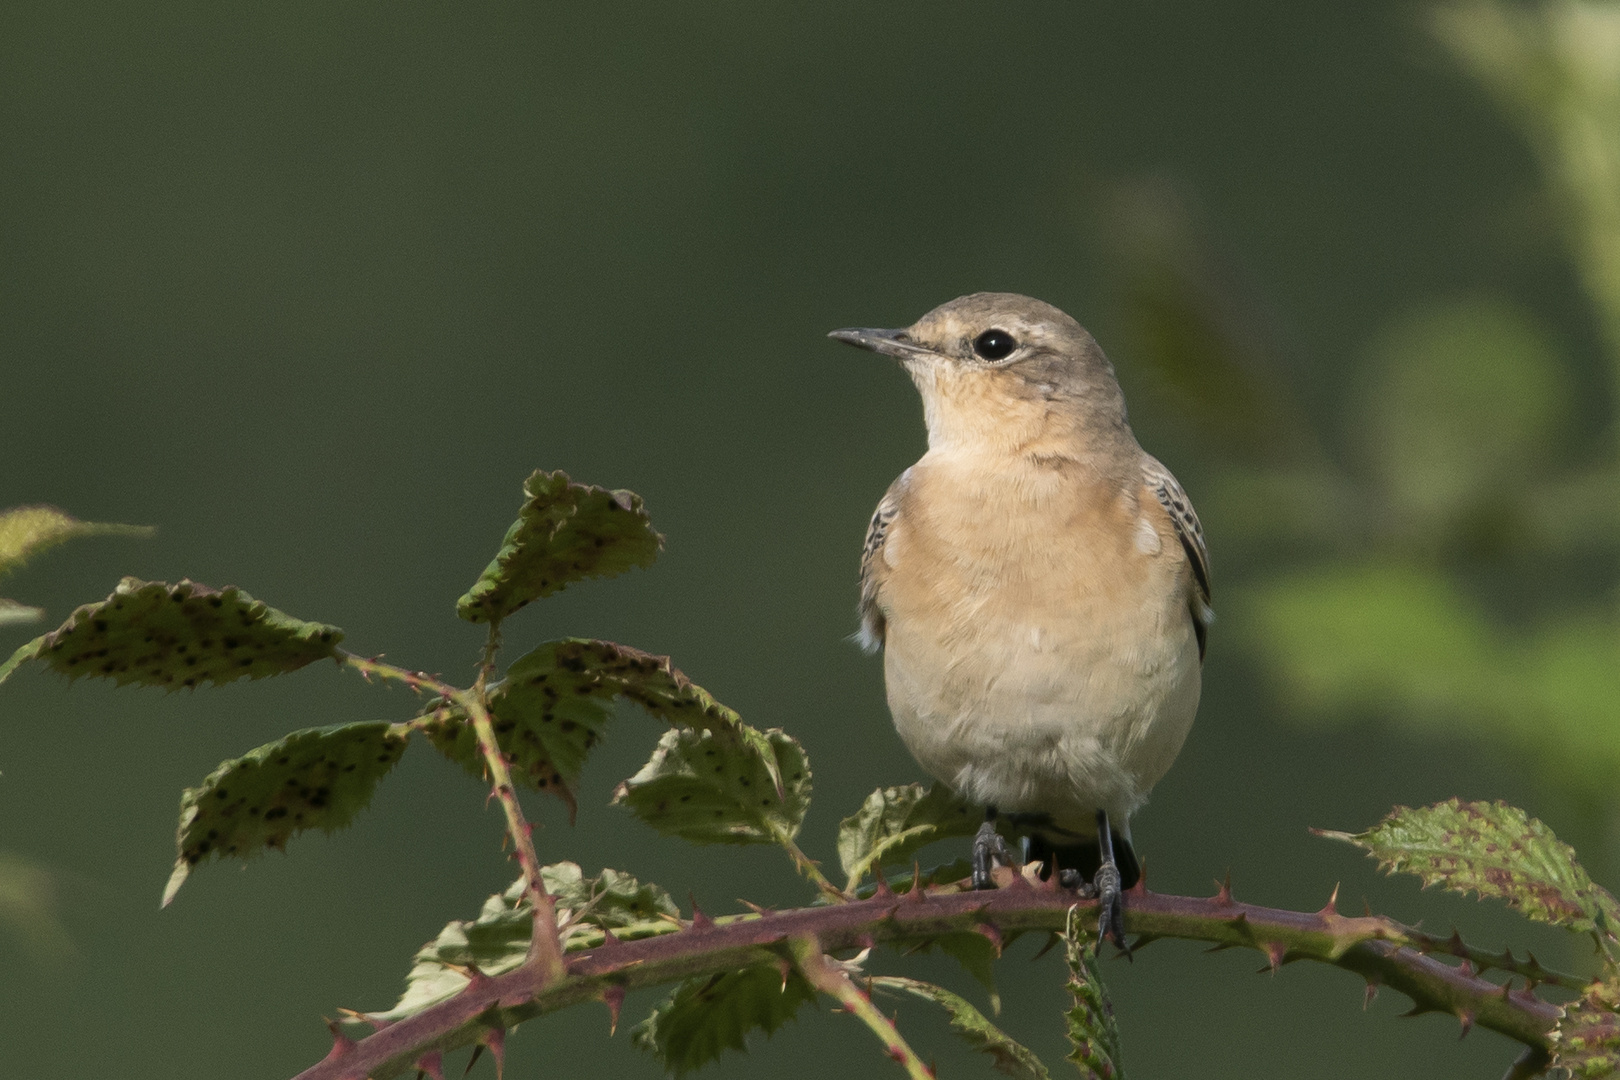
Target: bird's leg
column 1110, row 905
column 988, row 849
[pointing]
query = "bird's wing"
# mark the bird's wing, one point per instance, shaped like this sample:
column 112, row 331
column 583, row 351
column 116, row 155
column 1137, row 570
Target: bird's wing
column 873, row 568
column 1191, row 534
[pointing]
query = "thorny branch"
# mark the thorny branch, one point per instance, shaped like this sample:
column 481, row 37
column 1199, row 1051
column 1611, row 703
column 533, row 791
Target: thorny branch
column 1380, row 950
column 545, row 964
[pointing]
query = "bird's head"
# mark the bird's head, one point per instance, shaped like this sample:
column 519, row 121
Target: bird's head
column 1000, row 370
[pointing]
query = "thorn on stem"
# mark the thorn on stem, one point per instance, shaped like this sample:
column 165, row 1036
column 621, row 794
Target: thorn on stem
column 431, row 1064
column 341, row 1043
column 700, row 921
column 1224, row 897
column 613, row 998
column 1466, row 1019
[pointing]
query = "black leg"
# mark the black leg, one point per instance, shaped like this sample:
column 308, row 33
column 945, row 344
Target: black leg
column 988, row 849
column 1110, row 905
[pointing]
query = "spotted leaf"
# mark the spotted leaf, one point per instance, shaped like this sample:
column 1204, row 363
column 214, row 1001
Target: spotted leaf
column 155, row 634
column 1497, row 851
column 565, row 532
column 1586, row 1043
column 728, row 785
column 315, row 779
column 553, row 705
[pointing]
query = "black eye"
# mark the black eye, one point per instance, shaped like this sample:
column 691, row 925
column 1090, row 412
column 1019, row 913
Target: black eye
column 994, row 344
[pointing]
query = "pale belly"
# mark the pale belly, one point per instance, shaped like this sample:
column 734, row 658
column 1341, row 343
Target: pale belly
column 1053, row 695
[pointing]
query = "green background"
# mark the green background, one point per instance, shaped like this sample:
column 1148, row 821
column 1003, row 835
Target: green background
column 313, row 286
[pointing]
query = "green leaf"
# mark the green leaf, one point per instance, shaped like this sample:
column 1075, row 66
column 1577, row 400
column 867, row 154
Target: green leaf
column 553, row 704
column 978, row 956
column 611, row 900
column 155, row 634
column 896, row 822
column 1587, row 1039
column 318, row 778
column 498, row 939
column 704, row 1016
column 1092, row 1030
column 1010, row 1056
column 565, row 532
column 15, row 614
column 729, row 785
column 25, row 531
column 1495, row 850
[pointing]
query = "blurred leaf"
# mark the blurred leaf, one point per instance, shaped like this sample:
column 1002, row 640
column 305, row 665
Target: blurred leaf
column 896, row 822
column 498, row 939
column 565, row 532
column 1201, row 344
column 25, row 531
column 1010, row 1057
column 1464, row 405
column 1497, row 851
column 29, row 908
column 730, row 785
column 1587, row 1040
column 156, row 634
column 1396, row 640
column 1556, row 69
column 1093, row 1033
column 553, row 704
column 318, row 778
column 704, row 1016
column 15, row 614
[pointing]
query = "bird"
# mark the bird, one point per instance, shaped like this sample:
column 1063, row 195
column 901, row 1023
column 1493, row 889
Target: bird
column 1038, row 585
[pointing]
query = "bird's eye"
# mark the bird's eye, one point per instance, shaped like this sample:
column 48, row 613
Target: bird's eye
column 994, row 344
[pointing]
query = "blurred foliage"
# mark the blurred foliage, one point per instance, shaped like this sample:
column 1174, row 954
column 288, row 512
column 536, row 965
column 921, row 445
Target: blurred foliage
column 1439, row 545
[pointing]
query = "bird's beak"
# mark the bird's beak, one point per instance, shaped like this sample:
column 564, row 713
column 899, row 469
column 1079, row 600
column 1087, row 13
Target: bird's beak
column 888, row 342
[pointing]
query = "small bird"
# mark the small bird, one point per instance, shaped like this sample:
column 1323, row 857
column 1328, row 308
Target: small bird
column 1039, row 588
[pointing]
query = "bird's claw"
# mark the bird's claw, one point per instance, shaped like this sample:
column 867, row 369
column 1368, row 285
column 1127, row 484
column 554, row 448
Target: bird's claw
column 988, row 849
column 1110, row 908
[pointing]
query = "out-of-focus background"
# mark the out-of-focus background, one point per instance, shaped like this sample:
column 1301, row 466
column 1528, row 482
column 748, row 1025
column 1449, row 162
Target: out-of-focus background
column 312, row 287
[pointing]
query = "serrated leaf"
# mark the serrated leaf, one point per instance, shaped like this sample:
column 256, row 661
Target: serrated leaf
column 1587, row 1039
column 896, row 822
column 1009, row 1055
column 565, row 532
column 498, row 939
column 15, row 614
column 730, row 785
column 25, row 531
column 1495, row 850
column 315, row 779
column 705, row 1016
column 155, row 634
column 1093, row 1032
column 551, row 707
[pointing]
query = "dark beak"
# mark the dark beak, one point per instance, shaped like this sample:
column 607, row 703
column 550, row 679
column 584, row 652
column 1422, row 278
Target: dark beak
column 888, row 342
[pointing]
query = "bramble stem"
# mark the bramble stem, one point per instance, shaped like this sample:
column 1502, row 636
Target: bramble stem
column 545, row 953
column 1380, row 950
column 826, row 976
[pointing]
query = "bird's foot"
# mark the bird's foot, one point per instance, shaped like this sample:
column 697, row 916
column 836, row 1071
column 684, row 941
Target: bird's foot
column 988, row 849
column 1110, row 908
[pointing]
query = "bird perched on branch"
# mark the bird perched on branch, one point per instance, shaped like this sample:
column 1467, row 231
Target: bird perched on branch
column 1039, row 587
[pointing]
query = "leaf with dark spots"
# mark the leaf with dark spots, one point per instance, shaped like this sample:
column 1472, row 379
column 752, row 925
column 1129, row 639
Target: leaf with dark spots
column 565, row 532
column 1497, row 851
column 553, row 705
column 1586, row 1043
column 318, row 778
column 155, row 634
column 731, row 785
